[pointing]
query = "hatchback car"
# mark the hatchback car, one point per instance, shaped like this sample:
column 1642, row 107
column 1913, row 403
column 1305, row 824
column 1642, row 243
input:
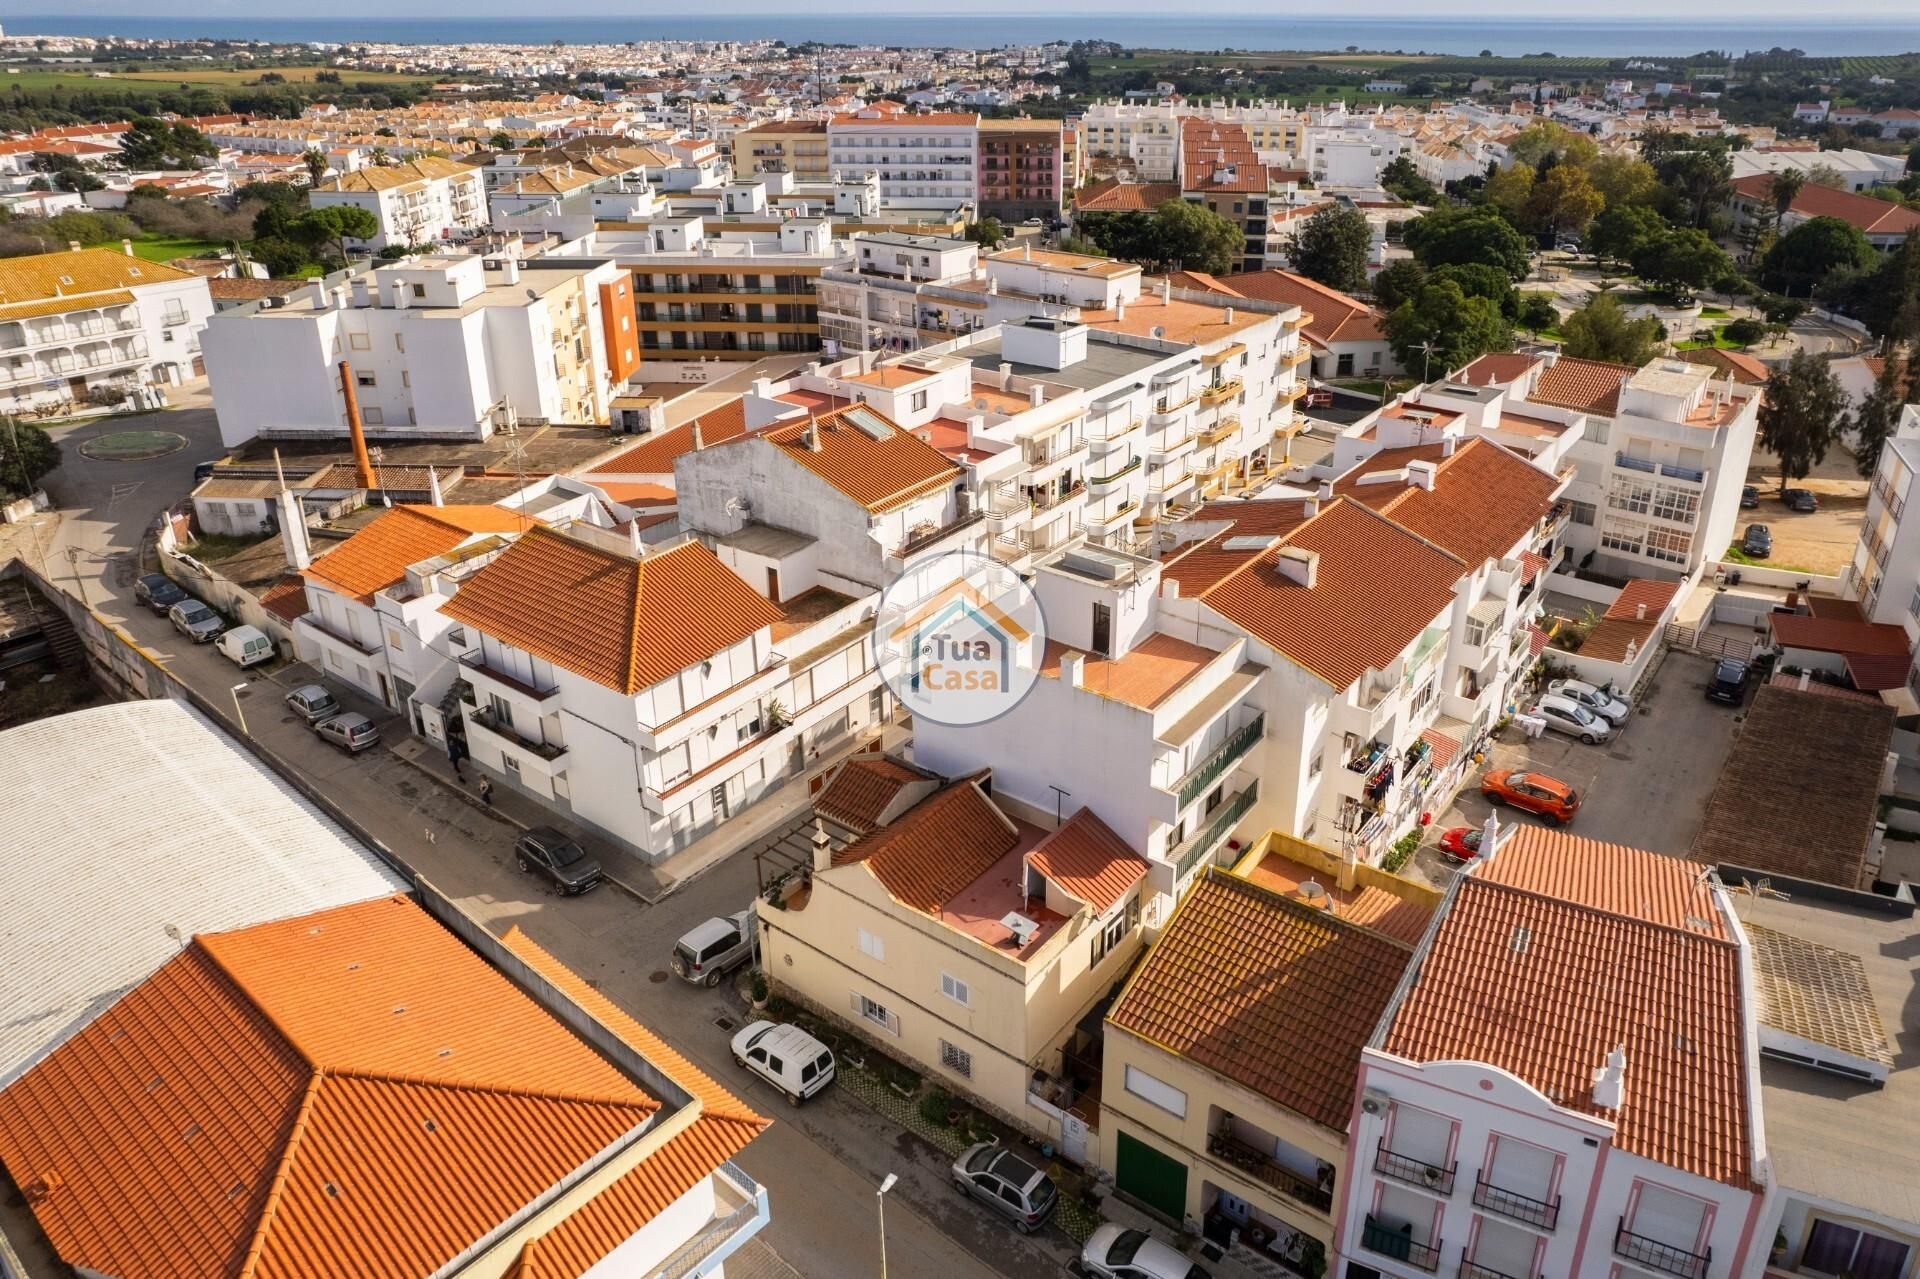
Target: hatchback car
column 1536, row 793
column 1758, row 543
column 1600, row 701
column 1749, row 497
column 1564, row 715
column 1460, row 844
column 352, row 732
column 312, row 703
column 1007, row 1184
column 1729, row 682
column 787, row 1057
column 1115, row 1253
column 196, row 621
column 545, row 852
column 1801, row 500
column 711, row 950
column 158, row 592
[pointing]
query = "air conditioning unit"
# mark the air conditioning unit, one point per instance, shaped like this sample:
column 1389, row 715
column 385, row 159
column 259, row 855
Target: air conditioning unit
column 1374, row 1102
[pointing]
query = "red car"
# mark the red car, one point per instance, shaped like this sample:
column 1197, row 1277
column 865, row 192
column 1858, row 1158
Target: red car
column 1460, row 844
column 1536, row 792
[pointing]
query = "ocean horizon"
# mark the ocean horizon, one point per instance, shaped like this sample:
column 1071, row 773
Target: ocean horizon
column 1507, row 37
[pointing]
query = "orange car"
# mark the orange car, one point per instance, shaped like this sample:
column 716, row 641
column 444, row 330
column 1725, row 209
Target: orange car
column 1535, row 792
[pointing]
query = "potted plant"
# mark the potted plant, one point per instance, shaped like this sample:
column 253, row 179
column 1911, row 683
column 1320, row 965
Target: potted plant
column 777, row 716
column 758, row 990
column 1777, row 1255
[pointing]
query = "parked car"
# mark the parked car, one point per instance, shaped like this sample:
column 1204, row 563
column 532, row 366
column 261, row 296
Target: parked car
column 312, row 703
column 1801, row 500
column 1749, row 497
column 1729, row 681
column 196, row 621
column 1460, row 843
column 711, row 950
column 158, row 592
column 785, row 1056
column 245, row 646
column 1115, row 1253
column 1536, row 793
column 1564, row 715
column 203, row 471
column 1317, row 400
column 1601, row 701
column 1007, row 1184
column 351, row 732
column 545, row 852
column 1758, row 543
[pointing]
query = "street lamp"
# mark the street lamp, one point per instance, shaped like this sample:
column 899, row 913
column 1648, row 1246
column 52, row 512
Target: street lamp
column 240, row 714
column 880, row 1197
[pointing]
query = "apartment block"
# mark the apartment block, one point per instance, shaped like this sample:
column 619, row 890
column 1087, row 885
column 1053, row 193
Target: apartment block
column 798, row 147
column 1022, row 170
column 929, row 161
column 96, row 321
column 440, row 347
column 1220, row 170
column 418, row 202
column 1884, row 573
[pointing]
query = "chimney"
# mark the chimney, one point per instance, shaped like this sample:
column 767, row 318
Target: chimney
column 1420, row 474
column 1169, row 588
column 73, row 246
column 1006, row 376
column 1026, row 251
column 1166, row 292
column 293, row 531
column 1310, row 508
column 699, row 440
column 822, row 848
column 633, row 539
column 1325, row 491
column 1806, row 677
column 811, row 437
column 1035, row 395
column 1447, row 444
column 126, row 247
column 1490, row 837
column 1073, row 668
column 1610, row 1080
column 362, row 464
column 1120, row 309
column 434, row 496
column 1229, row 315
column 1640, row 612
column 1298, row 565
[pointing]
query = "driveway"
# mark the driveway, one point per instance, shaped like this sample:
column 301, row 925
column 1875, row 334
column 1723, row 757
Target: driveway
column 1648, row 787
column 1819, row 541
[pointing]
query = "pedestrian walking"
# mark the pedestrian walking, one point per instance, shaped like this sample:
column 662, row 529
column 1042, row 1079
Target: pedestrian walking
column 456, row 751
column 486, row 791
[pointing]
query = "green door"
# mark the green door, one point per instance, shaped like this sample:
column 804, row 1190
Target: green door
column 1156, row 1180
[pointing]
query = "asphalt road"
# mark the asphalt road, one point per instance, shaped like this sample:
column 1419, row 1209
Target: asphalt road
column 821, row 1164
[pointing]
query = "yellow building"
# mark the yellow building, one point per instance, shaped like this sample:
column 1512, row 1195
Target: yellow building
column 967, row 942
column 798, row 147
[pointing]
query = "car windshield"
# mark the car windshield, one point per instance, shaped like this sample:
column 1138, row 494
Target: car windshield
column 980, row 1158
column 194, row 612
column 1471, row 839
column 566, row 852
column 1125, row 1246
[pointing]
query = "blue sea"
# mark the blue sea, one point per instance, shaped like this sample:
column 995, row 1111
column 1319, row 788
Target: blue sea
column 1201, row 31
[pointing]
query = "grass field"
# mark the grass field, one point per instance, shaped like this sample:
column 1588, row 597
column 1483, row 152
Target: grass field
column 1284, row 60
column 45, row 79
column 163, row 249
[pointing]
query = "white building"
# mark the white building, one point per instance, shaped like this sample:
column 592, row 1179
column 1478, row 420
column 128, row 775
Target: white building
column 418, row 202
column 924, row 161
column 440, row 347
column 96, row 321
column 1884, row 572
column 1350, row 156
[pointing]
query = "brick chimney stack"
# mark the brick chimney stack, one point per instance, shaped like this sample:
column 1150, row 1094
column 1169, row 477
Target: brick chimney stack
column 362, row 464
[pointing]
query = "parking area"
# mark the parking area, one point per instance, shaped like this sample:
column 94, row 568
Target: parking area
column 1648, row 787
column 1819, row 541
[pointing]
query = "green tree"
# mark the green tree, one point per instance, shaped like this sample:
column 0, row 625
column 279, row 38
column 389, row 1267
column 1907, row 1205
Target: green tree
column 334, row 225
column 1696, row 178
column 1600, row 330
column 1509, row 190
column 1478, row 280
column 1564, row 200
column 987, row 233
column 1878, row 415
column 1332, row 248
column 1623, row 180
column 1545, row 140
column 1816, row 249
column 1744, row 332
column 1400, row 178
column 1887, row 298
column 501, row 141
column 67, row 173
column 26, row 454
column 1193, row 237
column 1681, row 260
column 1535, row 312
column 1802, row 413
column 150, row 143
column 1397, row 281
column 1441, row 328
column 1784, row 187
column 1618, row 233
column 1477, row 234
column 316, row 161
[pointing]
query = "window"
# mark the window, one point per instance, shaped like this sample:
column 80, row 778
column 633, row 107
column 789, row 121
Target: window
column 1319, row 762
column 1669, row 545
column 366, row 379
column 956, row 1059
column 420, row 290
column 374, row 416
column 1156, row 1092
column 1630, row 494
column 511, row 762
column 877, row 1014
column 1111, row 933
column 394, row 639
column 358, row 341
column 919, row 400
column 872, row 946
column 1581, row 512
column 1623, row 536
column 1476, row 631
column 674, row 764
column 1913, row 605
column 956, row 990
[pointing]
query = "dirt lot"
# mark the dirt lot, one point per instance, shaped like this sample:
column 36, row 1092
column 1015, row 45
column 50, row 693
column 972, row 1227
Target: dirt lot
column 1648, row 787
column 1820, row 542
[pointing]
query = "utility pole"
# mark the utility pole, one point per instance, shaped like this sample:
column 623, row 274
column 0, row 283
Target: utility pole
column 73, row 562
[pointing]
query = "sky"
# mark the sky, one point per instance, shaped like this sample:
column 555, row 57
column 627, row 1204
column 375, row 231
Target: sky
column 1530, row 10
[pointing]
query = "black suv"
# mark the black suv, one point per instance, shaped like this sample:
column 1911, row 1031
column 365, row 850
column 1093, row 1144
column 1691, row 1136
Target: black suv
column 1729, row 682
column 545, row 852
column 158, row 592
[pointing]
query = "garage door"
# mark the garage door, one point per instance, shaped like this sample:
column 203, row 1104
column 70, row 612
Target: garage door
column 1156, row 1180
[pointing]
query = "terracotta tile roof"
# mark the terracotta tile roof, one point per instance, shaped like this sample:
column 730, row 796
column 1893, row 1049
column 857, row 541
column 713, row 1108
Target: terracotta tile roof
column 655, row 455
column 1497, row 368
column 1445, row 747
column 1825, row 690
column 1336, row 317
column 859, row 792
column 1588, row 386
column 64, row 277
column 322, row 1095
column 1817, row 827
column 1377, row 588
column 1836, row 635
column 636, row 493
column 877, row 473
column 1531, row 564
column 405, row 479
column 1832, row 606
column 1875, row 672
column 1273, row 995
column 394, row 177
column 1615, row 878
column 378, row 555
column 921, row 120
column 1196, row 322
column 1742, row 367
column 1088, row 861
column 1484, row 499
column 1403, row 918
column 1115, row 196
column 1545, row 989
column 1870, row 216
column 626, row 624
column 930, row 853
column 248, row 290
column 1655, row 595
column 1146, row 676
column 286, row 598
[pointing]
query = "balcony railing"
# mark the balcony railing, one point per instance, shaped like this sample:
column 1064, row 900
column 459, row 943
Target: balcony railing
column 1663, row 1257
column 1471, row 1269
column 1667, row 469
column 488, row 718
column 1124, row 471
column 1389, row 1242
column 1220, row 430
column 477, row 661
column 927, row 537
column 1046, row 456
column 1047, row 501
column 727, row 1231
column 1262, row 1168
column 1511, row 1203
column 1221, row 391
column 1188, row 855
column 1415, row 1172
column 1215, row 766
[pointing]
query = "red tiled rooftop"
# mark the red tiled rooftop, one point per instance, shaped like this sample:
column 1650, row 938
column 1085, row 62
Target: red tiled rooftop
column 1403, row 919
column 1835, row 635
column 1147, row 675
column 1088, row 862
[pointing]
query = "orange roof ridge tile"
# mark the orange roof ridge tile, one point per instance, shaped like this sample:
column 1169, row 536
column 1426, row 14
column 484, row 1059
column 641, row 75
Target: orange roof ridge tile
column 1590, row 908
column 283, row 1167
column 646, row 1104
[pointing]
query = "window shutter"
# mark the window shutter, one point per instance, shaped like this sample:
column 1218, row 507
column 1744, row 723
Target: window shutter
column 853, row 999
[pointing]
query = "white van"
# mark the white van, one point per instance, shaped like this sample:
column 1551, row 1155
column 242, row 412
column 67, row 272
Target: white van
column 246, row 645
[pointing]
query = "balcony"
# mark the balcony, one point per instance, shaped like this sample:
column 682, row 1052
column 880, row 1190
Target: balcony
column 1220, row 392
column 920, row 539
column 1471, row 1269
column 1415, row 1172
column 490, row 723
column 1039, row 455
column 1188, row 855
column 366, row 648
column 1664, row 469
column 739, row 1213
column 1257, row 1164
column 1225, row 428
column 1512, row 1204
column 1211, row 769
column 1298, row 356
column 1114, row 477
column 543, row 700
column 1662, row 1258
column 1388, row 1242
column 1100, row 525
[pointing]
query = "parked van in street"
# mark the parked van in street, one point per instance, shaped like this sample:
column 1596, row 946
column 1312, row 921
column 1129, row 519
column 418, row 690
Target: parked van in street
column 245, row 646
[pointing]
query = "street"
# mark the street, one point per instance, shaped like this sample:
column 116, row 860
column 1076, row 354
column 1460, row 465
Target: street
column 821, row 1164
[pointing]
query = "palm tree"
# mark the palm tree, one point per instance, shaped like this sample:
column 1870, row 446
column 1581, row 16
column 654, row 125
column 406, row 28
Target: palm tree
column 316, row 161
column 1786, row 186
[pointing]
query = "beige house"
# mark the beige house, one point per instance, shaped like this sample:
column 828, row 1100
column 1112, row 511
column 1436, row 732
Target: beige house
column 967, row 942
column 1230, row 1055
